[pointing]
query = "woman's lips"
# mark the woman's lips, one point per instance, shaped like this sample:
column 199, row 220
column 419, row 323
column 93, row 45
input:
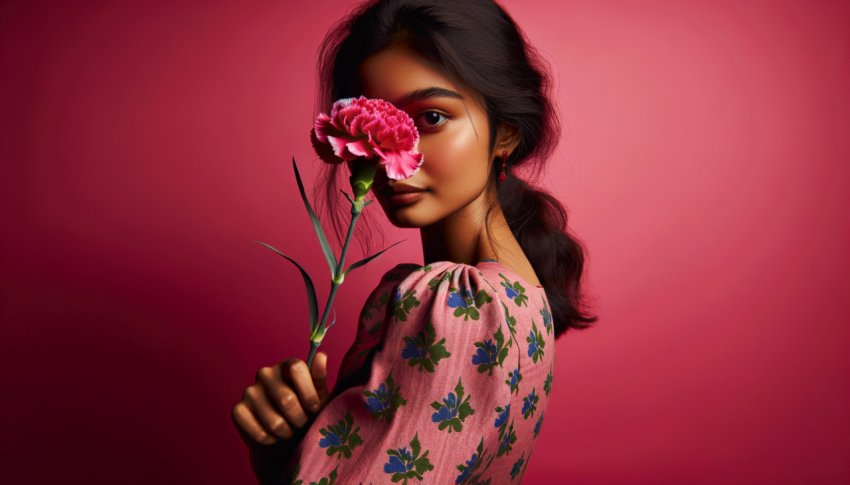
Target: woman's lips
column 403, row 198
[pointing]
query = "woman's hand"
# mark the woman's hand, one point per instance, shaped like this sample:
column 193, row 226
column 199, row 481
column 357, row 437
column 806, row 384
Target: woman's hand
column 275, row 412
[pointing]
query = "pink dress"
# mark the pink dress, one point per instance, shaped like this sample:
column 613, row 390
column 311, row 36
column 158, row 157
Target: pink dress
column 447, row 382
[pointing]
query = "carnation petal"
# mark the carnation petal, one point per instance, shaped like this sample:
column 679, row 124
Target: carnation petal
column 323, row 150
column 402, row 165
column 363, row 148
column 340, row 149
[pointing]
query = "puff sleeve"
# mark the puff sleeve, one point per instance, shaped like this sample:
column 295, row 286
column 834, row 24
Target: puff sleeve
column 444, row 383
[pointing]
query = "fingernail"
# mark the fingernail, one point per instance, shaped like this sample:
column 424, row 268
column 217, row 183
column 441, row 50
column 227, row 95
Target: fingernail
column 314, row 407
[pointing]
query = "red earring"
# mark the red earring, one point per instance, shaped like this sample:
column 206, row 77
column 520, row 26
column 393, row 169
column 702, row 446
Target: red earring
column 502, row 175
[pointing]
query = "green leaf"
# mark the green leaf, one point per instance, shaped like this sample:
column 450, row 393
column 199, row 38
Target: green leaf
column 414, row 445
column 370, row 258
column 465, row 410
column 317, row 226
column 312, row 304
column 436, row 405
column 481, row 298
column 423, row 465
column 473, row 313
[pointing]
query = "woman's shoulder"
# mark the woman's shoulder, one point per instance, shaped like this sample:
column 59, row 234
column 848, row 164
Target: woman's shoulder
column 489, row 269
column 459, row 285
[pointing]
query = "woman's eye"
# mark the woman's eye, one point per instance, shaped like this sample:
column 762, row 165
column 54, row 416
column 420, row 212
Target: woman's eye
column 431, row 118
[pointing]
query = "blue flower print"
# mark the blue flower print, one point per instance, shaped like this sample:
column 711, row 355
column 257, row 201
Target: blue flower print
column 485, row 356
column 448, row 411
column 330, row 440
column 469, row 470
column 455, row 301
column 535, row 343
column 422, row 350
column 507, row 441
column 539, row 422
column 465, row 304
column 515, row 379
column 383, row 401
column 547, row 319
column 396, row 465
column 503, row 416
column 403, row 303
column 533, row 346
column 517, row 466
column 465, row 472
column 454, row 410
column 340, row 438
column 404, row 463
column 514, row 291
column 530, row 403
column 412, row 351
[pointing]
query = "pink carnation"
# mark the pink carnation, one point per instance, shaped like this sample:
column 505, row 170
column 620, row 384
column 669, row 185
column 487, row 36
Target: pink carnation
column 361, row 127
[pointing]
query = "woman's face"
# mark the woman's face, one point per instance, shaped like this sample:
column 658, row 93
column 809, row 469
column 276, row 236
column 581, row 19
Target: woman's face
column 453, row 137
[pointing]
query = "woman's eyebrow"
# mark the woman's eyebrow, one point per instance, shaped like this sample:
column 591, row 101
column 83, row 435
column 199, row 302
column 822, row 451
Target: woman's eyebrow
column 425, row 93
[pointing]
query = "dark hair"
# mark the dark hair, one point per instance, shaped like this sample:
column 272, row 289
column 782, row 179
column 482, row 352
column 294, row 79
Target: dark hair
column 478, row 42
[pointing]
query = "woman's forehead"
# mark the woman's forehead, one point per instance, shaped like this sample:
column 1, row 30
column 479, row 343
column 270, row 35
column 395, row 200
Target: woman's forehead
column 396, row 73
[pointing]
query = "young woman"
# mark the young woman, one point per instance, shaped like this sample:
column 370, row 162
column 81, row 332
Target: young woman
column 449, row 376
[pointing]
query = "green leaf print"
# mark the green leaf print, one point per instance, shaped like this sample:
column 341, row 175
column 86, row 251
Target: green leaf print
column 514, row 291
column 403, row 304
column 405, row 458
column 507, row 441
column 340, row 439
column 466, row 305
column 535, row 343
column 375, row 305
column 384, row 401
column 331, row 480
column 489, row 355
column 469, row 469
column 515, row 378
column 453, row 411
column 435, row 282
column 547, row 386
column 421, row 349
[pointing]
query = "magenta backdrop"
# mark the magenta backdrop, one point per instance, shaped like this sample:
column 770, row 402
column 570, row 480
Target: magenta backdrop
column 706, row 163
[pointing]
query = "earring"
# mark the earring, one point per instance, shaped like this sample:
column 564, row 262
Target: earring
column 502, row 175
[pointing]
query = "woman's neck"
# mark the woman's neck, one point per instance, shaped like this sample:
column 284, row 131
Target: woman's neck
column 462, row 238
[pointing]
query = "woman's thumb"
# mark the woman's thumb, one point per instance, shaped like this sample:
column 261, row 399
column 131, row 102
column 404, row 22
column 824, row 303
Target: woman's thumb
column 319, row 371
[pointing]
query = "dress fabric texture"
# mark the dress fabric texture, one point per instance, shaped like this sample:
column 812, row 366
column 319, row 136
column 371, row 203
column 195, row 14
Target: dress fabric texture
column 447, row 382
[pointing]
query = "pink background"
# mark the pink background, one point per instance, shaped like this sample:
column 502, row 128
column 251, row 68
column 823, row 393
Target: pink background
column 706, row 163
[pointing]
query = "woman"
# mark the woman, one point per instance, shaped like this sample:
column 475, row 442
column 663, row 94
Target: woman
column 450, row 374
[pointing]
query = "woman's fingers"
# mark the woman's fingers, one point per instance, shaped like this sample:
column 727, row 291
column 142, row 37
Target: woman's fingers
column 262, row 407
column 319, row 374
column 285, row 399
column 295, row 371
column 249, row 427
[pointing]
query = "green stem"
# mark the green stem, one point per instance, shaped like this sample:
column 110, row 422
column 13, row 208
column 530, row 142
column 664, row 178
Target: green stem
column 337, row 280
column 314, row 346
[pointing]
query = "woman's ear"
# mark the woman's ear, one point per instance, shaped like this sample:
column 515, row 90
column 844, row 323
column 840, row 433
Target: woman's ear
column 507, row 139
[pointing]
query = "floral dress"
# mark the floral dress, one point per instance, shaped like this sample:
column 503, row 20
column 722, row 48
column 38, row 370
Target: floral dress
column 447, row 382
